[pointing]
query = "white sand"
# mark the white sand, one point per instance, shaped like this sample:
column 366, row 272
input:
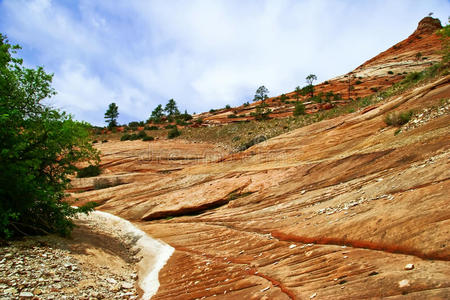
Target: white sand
column 155, row 253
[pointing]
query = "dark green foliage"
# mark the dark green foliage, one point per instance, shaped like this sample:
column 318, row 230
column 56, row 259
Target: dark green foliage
column 172, row 110
column 390, row 72
column 398, row 119
column 309, row 89
column 134, row 124
column 151, row 127
column 111, row 115
column 232, row 116
column 130, row 137
column 261, row 94
column 199, row 121
column 212, row 110
column 310, row 79
column 40, row 147
column 141, row 134
column 89, row 171
column 246, row 104
column 358, row 82
column 170, row 126
column 157, row 115
column 299, row 109
column 125, row 137
column 283, row 97
column 148, row 138
column 173, row 133
column 227, row 106
column 254, row 141
column 185, row 116
column 412, row 78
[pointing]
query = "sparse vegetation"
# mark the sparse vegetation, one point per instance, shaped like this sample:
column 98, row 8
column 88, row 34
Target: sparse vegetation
column 299, row 109
column 148, row 138
column 173, row 133
column 89, row 171
column 232, row 134
column 398, row 118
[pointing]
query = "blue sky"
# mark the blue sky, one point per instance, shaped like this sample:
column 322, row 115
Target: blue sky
column 204, row 54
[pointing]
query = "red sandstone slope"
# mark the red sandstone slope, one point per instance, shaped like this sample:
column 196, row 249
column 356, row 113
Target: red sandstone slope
column 420, row 50
column 334, row 210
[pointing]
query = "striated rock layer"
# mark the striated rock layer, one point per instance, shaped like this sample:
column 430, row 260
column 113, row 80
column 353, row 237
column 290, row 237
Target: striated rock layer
column 347, row 208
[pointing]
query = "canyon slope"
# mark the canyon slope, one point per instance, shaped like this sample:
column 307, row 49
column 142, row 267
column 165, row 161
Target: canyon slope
column 345, row 208
column 417, row 52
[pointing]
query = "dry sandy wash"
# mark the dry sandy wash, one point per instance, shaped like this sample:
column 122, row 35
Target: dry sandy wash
column 346, row 208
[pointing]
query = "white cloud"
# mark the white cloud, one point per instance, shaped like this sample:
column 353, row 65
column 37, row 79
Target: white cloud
column 204, row 54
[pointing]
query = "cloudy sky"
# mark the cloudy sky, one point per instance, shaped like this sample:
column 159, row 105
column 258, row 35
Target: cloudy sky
column 204, row 54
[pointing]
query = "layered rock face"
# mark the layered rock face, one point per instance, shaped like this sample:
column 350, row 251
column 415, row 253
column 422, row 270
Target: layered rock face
column 419, row 51
column 347, row 208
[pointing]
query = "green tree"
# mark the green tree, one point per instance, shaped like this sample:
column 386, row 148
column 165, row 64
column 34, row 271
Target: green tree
column 299, row 109
column 111, row 115
column 171, row 109
column 309, row 80
column 40, row 147
column 157, row 114
column 261, row 94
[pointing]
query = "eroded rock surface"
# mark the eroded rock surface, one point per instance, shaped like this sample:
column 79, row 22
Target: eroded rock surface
column 334, row 210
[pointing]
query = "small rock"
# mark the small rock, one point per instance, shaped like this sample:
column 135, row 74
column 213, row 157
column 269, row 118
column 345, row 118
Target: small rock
column 265, row 289
column 127, row 285
column 25, row 295
column 10, row 291
column 37, row 291
column 292, row 246
column 403, row 283
column 313, row 296
column 409, row 267
column 111, row 280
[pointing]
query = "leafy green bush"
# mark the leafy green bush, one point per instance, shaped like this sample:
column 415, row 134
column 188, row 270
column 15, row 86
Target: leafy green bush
column 125, row 137
column 173, row 133
column 40, row 148
column 89, row 171
column 170, row 126
column 299, row 109
column 227, row 106
column 390, row 72
column 151, row 127
column 398, row 119
column 148, row 138
column 141, row 134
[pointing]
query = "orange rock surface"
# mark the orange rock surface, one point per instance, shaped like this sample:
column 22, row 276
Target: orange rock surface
column 346, row 208
column 336, row 209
